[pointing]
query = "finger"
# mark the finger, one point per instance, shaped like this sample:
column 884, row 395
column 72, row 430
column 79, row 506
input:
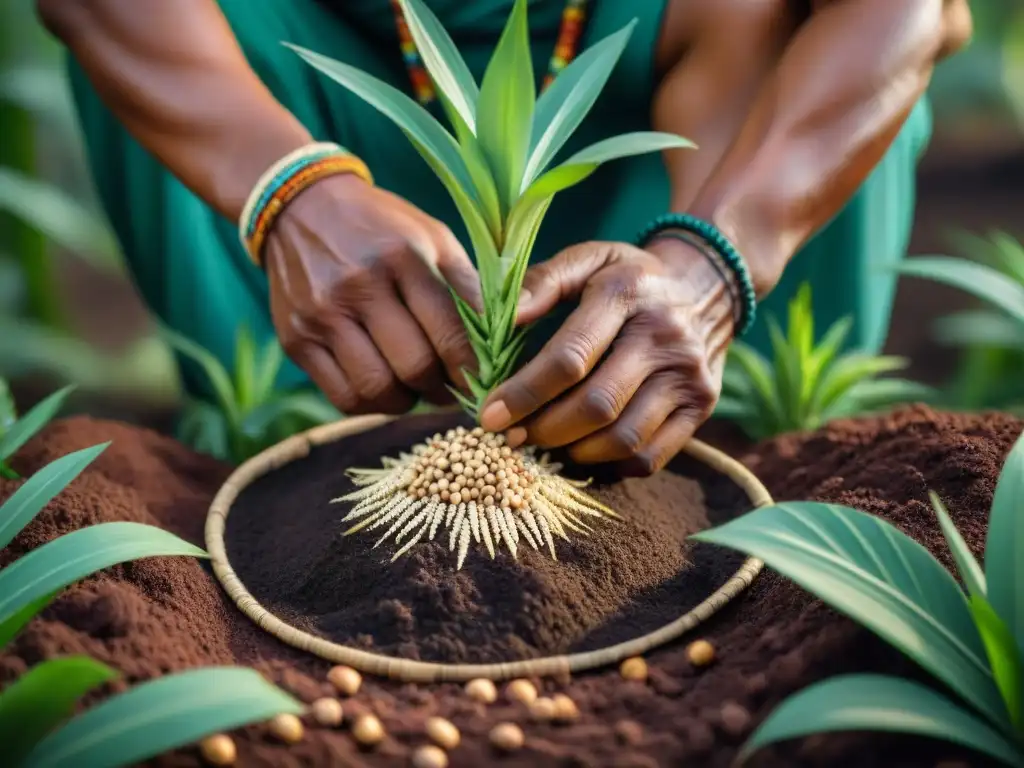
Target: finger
column 325, row 372
column 669, row 440
column 457, row 268
column 567, row 358
column 596, row 403
column 560, row 278
column 653, row 403
column 432, row 306
column 376, row 385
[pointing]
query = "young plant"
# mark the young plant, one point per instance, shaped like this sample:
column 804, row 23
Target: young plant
column 807, row 383
column 495, row 165
column 15, row 431
column 152, row 718
column 970, row 639
column 249, row 414
column 992, row 337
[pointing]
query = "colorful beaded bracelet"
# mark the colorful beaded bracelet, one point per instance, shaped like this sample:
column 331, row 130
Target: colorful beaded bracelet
column 283, row 181
column 720, row 245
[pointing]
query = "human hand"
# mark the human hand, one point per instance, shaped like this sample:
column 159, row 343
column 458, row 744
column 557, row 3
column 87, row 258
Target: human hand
column 357, row 303
column 635, row 369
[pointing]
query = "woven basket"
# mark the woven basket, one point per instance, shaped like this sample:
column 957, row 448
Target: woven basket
column 299, row 446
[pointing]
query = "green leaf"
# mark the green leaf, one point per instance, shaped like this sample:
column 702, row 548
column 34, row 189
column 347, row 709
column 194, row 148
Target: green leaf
column 876, row 395
column 1004, row 547
column 41, row 699
column 733, row 408
column 310, row 406
column 162, row 715
column 245, row 368
column 28, row 425
column 1003, row 655
column 12, row 626
column 566, row 102
column 788, row 368
column 442, row 60
column 205, row 429
column 36, row 492
column 879, row 703
column 868, row 570
column 628, row 145
column 850, row 370
column 980, row 328
column 81, row 553
column 505, row 108
column 982, row 281
column 8, row 410
column 968, row 568
column 215, row 373
column 267, row 369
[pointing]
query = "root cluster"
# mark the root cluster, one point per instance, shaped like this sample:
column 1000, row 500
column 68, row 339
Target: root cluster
column 471, row 484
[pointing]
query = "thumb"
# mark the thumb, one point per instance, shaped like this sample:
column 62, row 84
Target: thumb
column 559, row 279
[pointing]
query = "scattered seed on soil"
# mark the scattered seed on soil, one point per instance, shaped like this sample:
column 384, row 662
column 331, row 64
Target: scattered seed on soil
column 735, row 719
column 443, row 732
column 327, row 712
column 218, row 749
column 345, row 679
column 429, row 756
column 482, row 690
column 543, row 709
column 634, row 669
column 522, row 691
column 629, row 732
column 287, row 728
column 565, row 708
column 368, row 730
column 507, row 737
column 700, row 653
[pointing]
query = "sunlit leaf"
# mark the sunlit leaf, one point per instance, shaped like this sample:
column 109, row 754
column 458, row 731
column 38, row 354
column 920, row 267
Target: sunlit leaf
column 44, row 697
column 877, row 395
column 245, row 368
column 218, row 377
column 868, row 570
column 267, row 369
column 968, row 568
column 879, row 703
column 1004, row 546
column 310, row 406
column 28, row 425
column 979, row 280
column 852, row 369
column 1003, row 655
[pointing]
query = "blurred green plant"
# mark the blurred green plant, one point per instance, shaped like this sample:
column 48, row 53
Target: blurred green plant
column 807, row 383
column 970, row 639
column 148, row 720
column 15, row 431
column 992, row 337
column 248, row 413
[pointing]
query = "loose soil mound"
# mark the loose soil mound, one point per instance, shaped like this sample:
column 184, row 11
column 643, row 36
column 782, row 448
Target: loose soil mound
column 156, row 616
column 625, row 578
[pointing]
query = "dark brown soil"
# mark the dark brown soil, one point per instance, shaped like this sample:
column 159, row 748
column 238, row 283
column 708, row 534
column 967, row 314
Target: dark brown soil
column 627, row 577
column 157, row 616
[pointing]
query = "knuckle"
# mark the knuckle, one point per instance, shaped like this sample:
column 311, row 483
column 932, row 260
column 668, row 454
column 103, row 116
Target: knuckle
column 602, row 405
column 571, row 360
column 626, row 439
column 375, row 385
column 648, row 463
column 416, row 367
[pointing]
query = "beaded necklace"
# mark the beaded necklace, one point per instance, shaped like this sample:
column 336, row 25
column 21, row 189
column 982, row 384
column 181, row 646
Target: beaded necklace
column 570, row 30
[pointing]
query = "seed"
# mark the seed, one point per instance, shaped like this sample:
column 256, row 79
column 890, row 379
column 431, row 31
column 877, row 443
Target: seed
column 634, row 669
column 456, row 498
column 700, row 653
column 429, row 756
column 501, row 474
column 522, row 691
column 368, row 730
column 565, row 708
column 443, row 483
column 218, row 749
column 507, row 737
column 543, row 709
column 443, row 732
column 287, row 728
column 482, row 690
column 516, row 501
column 433, row 489
column 327, row 712
column 345, row 679
column 441, row 462
column 506, row 451
column 445, row 495
column 477, row 432
column 490, row 478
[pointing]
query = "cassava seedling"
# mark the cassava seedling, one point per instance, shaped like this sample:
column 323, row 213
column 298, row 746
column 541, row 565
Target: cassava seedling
column 495, row 167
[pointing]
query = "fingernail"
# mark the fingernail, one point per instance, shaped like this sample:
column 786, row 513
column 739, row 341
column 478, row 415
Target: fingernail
column 496, row 416
column 515, row 437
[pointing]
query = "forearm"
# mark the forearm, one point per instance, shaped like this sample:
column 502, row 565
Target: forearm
column 175, row 77
column 821, row 122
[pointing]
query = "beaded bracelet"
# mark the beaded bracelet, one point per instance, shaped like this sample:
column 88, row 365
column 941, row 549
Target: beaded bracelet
column 721, row 246
column 283, row 182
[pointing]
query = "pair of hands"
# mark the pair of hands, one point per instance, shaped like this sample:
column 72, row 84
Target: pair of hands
column 634, row 370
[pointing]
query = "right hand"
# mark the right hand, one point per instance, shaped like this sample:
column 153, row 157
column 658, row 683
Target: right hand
column 356, row 303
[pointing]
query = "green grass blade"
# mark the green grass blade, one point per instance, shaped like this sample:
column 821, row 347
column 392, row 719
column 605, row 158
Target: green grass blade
column 868, row 570
column 28, row 425
column 1004, row 547
column 1003, row 656
column 786, row 365
column 878, row 395
column 980, row 328
column 205, row 429
column 628, row 145
column 245, row 368
column 879, row 703
column 8, row 410
column 979, row 280
column 505, row 109
column 41, row 699
column 12, row 626
column 1009, row 255
column 219, row 379
column 309, row 406
column 81, row 553
column 733, row 408
column 485, row 192
column 968, row 568
column 161, row 715
column 267, row 369
column 36, row 492
column 849, row 370
column 442, row 60
column 566, row 102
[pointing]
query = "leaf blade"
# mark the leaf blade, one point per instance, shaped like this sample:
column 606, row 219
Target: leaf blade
column 970, row 572
column 1004, row 545
column 28, row 425
column 1003, row 656
column 980, row 280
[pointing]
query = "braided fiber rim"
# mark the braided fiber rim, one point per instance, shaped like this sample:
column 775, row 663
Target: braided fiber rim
column 299, row 446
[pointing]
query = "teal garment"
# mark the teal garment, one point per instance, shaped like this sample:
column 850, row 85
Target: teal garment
column 194, row 274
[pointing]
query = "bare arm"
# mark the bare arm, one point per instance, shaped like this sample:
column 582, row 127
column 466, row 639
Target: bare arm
column 174, row 75
column 819, row 124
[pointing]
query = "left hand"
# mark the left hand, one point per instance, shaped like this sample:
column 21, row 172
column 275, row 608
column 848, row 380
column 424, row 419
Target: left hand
column 635, row 369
